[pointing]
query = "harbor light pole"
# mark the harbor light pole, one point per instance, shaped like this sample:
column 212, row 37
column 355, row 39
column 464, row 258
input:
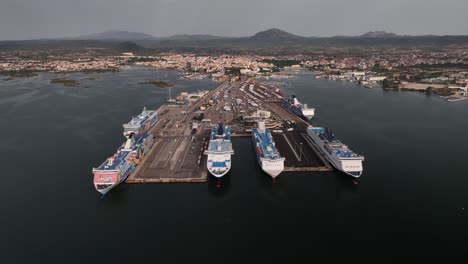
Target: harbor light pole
column 300, row 151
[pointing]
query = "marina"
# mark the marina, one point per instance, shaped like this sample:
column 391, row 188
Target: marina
column 192, row 134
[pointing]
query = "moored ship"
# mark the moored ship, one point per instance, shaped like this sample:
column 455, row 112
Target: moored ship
column 338, row 154
column 278, row 92
column 219, row 151
column 141, row 123
column 301, row 110
column 268, row 156
column 117, row 168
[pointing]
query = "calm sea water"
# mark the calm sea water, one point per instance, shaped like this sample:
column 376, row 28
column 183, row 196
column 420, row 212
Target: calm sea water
column 411, row 199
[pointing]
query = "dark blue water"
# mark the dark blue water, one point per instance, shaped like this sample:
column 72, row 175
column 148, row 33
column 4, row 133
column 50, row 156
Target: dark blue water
column 409, row 200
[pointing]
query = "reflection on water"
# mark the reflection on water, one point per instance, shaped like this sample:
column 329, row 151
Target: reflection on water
column 410, row 194
column 219, row 186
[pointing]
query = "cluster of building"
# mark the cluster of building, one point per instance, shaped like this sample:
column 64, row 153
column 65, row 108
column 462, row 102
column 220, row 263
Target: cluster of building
column 214, row 65
column 405, row 69
column 388, row 59
column 457, row 81
column 57, row 66
column 445, row 73
column 368, row 79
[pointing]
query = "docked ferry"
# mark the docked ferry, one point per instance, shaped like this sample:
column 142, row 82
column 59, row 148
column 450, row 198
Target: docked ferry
column 219, row 151
column 268, row 156
column 117, row 168
column 301, row 110
column 338, row 154
column 278, row 92
column 141, row 123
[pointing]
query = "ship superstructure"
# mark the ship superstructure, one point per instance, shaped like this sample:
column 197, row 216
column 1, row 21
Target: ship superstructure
column 337, row 153
column 219, row 151
column 301, row 110
column 141, row 123
column 119, row 166
column 268, row 156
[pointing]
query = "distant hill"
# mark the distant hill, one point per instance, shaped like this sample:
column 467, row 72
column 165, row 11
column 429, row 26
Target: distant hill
column 116, row 35
column 274, row 34
column 379, row 34
column 269, row 41
column 131, row 36
column 192, row 37
column 63, row 47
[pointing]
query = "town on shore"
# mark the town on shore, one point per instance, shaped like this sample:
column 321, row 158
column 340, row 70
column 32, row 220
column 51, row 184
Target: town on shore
column 444, row 73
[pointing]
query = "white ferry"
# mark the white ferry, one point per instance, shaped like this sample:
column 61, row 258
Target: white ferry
column 219, row 151
column 338, row 154
column 268, row 156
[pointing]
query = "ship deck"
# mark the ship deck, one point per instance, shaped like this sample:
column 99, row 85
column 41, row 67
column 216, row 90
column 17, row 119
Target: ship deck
column 219, row 147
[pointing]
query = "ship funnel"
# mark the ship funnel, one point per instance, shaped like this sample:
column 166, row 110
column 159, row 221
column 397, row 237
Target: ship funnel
column 295, row 101
column 261, row 125
column 129, row 143
column 145, row 112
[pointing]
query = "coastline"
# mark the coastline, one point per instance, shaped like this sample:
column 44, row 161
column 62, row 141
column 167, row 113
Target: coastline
column 11, row 75
column 442, row 90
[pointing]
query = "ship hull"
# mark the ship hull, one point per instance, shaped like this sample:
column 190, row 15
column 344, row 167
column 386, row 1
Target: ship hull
column 354, row 174
column 105, row 187
column 272, row 168
column 337, row 164
column 266, row 166
column 218, row 173
column 218, row 167
column 106, row 180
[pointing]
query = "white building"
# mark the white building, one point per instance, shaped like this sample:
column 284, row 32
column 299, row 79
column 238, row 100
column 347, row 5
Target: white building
column 375, row 79
column 262, row 113
column 245, row 71
column 356, row 73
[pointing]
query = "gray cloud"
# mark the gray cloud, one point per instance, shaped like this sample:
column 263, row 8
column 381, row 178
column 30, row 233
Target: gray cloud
column 27, row 19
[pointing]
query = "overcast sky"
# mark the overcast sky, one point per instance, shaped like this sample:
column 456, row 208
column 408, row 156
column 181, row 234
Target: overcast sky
column 31, row 19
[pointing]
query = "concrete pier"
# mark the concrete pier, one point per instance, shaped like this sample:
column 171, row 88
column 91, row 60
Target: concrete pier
column 173, row 159
column 178, row 155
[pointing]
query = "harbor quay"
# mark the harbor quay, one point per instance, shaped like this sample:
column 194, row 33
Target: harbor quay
column 182, row 132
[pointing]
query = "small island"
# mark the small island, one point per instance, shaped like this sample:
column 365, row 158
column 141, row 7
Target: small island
column 17, row 74
column 91, row 78
column 65, row 82
column 158, row 83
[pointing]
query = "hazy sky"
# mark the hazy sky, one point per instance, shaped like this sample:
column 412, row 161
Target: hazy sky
column 28, row 19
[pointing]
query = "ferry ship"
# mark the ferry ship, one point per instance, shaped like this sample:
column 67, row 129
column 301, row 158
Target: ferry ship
column 301, row 110
column 338, row 154
column 278, row 92
column 117, row 168
column 268, row 156
column 219, row 151
column 141, row 123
